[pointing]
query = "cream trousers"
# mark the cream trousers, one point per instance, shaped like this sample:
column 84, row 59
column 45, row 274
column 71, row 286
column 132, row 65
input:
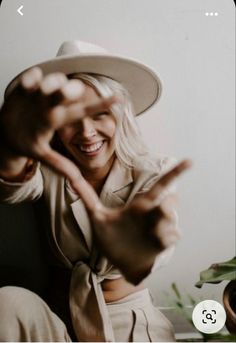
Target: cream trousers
column 24, row 316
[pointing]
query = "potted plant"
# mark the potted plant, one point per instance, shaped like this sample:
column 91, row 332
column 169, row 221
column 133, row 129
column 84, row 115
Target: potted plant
column 220, row 272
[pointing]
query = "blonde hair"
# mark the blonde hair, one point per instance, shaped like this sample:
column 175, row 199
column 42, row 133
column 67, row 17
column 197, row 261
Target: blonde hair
column 129, row 146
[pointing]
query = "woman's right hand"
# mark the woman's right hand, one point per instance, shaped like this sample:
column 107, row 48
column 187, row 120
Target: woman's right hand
column 39, row 106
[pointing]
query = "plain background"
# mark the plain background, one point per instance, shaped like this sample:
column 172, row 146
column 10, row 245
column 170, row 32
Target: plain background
column 194, row 57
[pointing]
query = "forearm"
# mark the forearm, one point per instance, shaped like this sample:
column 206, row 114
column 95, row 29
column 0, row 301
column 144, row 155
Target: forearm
column 20, row 180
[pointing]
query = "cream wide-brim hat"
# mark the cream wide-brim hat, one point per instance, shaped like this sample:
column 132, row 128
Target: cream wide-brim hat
column 142, row 83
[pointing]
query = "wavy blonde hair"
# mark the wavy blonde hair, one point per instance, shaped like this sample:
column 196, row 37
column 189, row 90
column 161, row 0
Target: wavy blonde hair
column 129, row 146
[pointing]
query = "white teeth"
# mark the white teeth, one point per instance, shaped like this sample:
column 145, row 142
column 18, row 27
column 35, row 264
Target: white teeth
column 91, row 147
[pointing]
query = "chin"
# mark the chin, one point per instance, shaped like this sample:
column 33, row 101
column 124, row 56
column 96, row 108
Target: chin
column 95, row 165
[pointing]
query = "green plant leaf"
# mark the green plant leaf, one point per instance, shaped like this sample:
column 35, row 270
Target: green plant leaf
column 179, row 304
column 176, row 291
column 218, row 272
column 192, row 300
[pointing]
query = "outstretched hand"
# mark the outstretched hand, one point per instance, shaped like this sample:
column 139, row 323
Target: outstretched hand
column 131, row 237
column 37, row 107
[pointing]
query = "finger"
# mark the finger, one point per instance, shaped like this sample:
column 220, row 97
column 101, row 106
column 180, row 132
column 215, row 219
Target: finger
column 72, row 91
column 69, row 170
column 61, row 91
column 166, row 179
column 168, row 205
column 101, row 105
column 166, row 197
column 159, row 213
column 52, row 82
column 63, row 115
column 31, row 79
column 168, row 213
column 166, row 233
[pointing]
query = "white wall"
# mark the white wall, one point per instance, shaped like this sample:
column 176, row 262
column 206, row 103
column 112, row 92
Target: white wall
column 194, row 56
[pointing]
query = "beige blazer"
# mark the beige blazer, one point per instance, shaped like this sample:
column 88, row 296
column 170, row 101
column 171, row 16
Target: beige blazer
column 72, row 239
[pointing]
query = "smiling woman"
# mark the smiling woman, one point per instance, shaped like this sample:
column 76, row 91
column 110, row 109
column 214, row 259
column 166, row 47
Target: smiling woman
column 111, row 214
column 128, row 143
column 95, row 140
column 90, row 141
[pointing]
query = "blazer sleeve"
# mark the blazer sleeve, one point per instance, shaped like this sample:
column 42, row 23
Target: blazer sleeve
column 17, row 192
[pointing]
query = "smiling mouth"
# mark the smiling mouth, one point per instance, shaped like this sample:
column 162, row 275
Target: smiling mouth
column 90, row 149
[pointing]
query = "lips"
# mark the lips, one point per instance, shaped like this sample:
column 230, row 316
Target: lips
column 90, row 149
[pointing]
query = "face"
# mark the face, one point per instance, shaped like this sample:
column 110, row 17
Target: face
column 91, row 140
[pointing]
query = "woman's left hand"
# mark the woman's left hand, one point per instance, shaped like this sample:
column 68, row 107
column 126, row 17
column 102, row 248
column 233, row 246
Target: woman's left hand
column 131, row 237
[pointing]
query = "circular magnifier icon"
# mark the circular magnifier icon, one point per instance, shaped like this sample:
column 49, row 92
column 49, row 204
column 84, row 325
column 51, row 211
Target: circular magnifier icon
column 209, row 316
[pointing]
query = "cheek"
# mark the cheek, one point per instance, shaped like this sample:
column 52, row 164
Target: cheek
column 109, row 127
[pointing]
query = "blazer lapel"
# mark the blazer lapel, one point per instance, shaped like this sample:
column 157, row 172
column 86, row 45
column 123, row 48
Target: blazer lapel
column 81, row 216
column 118, row 178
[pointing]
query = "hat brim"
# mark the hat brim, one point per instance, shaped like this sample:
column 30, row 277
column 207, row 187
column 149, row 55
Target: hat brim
column 142, row 83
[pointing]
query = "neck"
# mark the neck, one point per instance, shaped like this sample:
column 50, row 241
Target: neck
column 97, row 177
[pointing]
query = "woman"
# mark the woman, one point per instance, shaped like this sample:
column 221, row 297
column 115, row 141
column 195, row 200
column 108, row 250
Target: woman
column 108, row 203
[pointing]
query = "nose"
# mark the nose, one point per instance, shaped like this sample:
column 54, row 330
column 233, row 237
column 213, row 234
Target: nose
column 87, row 128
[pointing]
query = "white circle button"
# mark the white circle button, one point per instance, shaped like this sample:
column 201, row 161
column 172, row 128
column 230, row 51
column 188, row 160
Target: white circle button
column 209, row 316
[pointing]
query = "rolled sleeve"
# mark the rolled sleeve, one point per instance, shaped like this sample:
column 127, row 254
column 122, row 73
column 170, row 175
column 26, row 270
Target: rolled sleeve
column 16, row 192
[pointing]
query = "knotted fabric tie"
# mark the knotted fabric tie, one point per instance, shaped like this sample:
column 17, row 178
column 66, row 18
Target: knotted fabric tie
column 89, row 313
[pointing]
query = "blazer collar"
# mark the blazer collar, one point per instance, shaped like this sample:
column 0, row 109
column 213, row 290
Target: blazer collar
column 118, row 178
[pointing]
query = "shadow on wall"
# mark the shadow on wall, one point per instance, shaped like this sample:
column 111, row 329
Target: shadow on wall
column 22, row 259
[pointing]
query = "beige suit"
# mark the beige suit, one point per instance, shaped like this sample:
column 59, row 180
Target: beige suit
column 72, row 243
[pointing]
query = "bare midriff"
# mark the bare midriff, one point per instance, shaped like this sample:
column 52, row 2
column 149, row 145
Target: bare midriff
column 114, row 290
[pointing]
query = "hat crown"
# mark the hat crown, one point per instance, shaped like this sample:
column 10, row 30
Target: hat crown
column 77, row 47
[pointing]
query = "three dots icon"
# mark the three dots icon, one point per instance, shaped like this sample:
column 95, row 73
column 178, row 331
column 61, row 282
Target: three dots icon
column 211, row 14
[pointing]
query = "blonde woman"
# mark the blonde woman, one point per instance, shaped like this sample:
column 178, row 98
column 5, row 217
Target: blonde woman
column 72, row 145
